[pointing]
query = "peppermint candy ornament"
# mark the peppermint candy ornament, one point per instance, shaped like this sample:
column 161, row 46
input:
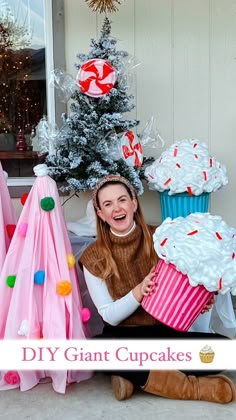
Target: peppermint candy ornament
column 131, row 149
column 96, row 78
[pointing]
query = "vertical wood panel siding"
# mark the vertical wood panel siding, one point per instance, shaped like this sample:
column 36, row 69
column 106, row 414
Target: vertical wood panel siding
column 186, row 78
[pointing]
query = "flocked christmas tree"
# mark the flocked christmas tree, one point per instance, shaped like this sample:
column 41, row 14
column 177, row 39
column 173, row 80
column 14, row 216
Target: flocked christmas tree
column 88, row 145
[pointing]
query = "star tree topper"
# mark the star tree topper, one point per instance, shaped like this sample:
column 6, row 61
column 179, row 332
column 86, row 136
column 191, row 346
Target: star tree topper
column 103, row 5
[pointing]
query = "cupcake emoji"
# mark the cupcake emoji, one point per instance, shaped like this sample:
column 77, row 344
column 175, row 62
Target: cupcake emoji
column 206, row 354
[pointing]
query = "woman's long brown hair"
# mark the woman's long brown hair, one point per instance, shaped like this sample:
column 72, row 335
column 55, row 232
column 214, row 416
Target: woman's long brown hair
column 104, row 243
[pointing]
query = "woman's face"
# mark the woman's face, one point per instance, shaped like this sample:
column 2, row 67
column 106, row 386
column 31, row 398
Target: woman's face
column 117, row 208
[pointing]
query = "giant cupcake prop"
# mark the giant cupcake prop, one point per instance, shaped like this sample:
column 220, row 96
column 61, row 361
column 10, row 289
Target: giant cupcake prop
column 39, row 296
column 197, row 259
column 185, row 175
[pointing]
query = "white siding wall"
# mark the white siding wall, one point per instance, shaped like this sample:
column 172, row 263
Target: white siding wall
column 187, row 78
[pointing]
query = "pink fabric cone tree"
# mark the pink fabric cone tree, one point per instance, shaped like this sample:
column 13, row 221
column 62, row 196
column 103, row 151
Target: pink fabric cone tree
column 8, row 217
column 39, row 295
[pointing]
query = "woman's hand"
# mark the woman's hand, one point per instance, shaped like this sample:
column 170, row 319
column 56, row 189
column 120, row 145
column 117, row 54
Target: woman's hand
column 145, row 287
column 208, row 306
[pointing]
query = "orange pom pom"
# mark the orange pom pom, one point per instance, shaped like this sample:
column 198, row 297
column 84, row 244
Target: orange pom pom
column 64, row 288
column 24, row 198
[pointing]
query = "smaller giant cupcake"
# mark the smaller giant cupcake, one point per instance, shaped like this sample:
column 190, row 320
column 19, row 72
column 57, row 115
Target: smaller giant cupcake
column 185, row 175
column 197, row 259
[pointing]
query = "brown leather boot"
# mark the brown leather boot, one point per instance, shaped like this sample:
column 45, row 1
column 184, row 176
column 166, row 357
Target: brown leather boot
column 121, row 388
column 177, row 385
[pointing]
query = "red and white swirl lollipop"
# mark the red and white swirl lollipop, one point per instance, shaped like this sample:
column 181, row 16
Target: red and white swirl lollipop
column 96, row 77
column 131, row 149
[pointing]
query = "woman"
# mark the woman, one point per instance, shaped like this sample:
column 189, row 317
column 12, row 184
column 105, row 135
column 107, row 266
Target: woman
column 118, row 269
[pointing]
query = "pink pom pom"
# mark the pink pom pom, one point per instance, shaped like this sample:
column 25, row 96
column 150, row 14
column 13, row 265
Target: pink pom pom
column 22, row 229
column 85, row 314
column 12, row 377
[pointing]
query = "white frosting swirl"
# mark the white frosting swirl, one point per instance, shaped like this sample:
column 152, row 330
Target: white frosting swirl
column 186, row 164
column 203, row 247
column 207, row 349
column 40, row 170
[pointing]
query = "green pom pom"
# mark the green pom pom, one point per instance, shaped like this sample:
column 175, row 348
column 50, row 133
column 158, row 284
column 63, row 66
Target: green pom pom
column 11, row 281
column 47, row 203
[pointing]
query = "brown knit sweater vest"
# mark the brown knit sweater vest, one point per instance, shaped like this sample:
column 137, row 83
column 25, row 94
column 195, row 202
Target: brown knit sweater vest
column 132, row 264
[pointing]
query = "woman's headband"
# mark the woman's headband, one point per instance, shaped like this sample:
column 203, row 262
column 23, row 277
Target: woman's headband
column 110, row 179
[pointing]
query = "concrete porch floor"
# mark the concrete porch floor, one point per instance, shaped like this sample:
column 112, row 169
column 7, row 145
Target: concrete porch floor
column 93, row 399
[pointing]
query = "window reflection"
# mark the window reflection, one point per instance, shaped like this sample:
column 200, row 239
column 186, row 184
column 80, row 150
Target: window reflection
column 22, row 82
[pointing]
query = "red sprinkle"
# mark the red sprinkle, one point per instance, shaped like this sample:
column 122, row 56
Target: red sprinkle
column 178, row 165
column 204, row 175
column 167, row 181
column 192, row 233
column 218, row 236
column 211, row 161
column 196, row 156
column 189, row 189
column 195, row 145
column 150, row 176
column 175, row 152
column 220, row 283
column 233, row 255
column 164, row 241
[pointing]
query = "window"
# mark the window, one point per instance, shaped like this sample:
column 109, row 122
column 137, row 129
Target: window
column 27, row 39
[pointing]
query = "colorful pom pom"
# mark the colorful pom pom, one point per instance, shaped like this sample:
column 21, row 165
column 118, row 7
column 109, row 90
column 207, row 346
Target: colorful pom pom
column 85, row 315
column 24, row 328
column 12, row 377
column 22, row 229
column 47, row 203
column 39, row 277
column 11, row 281
column 70, row 260
column 64, row 288
column 24, row 198
column 10, row 230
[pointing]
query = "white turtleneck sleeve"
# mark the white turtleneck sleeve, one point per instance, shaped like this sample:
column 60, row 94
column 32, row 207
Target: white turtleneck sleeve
column 112, row 312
